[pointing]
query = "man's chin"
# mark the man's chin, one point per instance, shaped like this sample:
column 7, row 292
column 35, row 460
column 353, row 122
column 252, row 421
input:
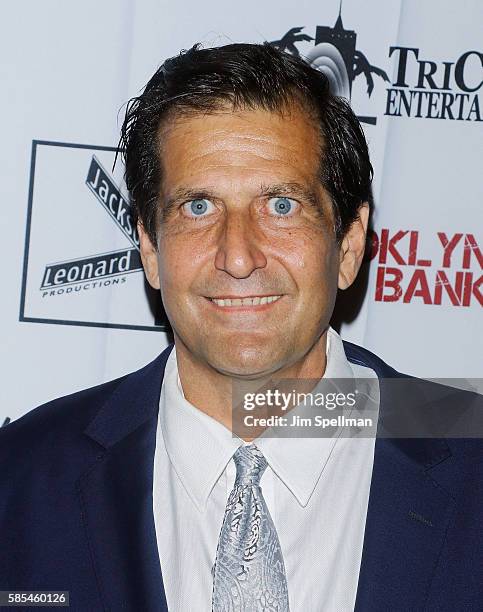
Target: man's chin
column 248, row 363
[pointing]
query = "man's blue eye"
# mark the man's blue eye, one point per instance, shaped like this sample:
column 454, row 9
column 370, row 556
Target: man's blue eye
column 197, row 208
column 281, row 206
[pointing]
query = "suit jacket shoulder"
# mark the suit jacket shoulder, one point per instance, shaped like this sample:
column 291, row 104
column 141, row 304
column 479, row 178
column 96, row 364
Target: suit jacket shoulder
column 51, row 428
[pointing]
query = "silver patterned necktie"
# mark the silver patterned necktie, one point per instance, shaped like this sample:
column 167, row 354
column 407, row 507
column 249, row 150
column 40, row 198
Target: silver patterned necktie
column 249, row 572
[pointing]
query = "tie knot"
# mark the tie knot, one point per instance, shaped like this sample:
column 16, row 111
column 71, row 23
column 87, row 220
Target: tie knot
column 250, row 465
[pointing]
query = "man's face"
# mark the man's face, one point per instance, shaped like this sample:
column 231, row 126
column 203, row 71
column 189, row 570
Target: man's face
column 244, row 218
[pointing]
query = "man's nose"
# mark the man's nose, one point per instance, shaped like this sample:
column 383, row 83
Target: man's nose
column 239, row 252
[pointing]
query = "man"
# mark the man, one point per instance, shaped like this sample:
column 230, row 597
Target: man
column 250, row 183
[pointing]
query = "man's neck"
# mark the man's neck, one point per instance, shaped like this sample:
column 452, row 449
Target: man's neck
column 211, row 391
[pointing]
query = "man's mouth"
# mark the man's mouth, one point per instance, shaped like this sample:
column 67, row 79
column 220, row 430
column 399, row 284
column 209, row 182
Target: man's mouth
column 250, row 300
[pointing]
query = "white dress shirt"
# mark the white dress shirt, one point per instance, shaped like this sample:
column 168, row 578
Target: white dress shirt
column 316, row 490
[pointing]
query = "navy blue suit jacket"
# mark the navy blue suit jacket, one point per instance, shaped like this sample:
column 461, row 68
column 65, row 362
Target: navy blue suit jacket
column 76, row 505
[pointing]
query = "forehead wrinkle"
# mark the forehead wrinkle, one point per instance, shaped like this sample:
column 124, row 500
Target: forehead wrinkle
column 242, row 165
column 217, row 135
column 257, row 135
column 284, row 154
column 269, row 150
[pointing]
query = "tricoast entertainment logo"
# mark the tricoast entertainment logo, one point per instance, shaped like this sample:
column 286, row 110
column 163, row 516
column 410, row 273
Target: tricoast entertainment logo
column 82, row 264
column 423, row 87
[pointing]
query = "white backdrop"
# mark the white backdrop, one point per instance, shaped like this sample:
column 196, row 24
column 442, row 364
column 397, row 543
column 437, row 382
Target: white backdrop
column 74, row 308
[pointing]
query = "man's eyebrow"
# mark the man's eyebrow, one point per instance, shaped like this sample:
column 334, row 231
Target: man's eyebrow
column 296, row 190
column 184, row 194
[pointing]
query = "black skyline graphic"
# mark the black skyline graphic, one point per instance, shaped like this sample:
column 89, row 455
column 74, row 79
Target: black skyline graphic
column 335, row 54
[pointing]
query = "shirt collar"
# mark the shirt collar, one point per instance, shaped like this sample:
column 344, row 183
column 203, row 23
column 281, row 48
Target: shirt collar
column 198, row 446
column 194, row 439
column 298, row 461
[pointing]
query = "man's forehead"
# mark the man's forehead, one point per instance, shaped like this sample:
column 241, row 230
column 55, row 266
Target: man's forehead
column 256, row 140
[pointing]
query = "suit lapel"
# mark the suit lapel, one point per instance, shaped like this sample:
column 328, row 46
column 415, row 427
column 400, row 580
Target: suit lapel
column 407, row 519
column 115, row 495
column 408, row 512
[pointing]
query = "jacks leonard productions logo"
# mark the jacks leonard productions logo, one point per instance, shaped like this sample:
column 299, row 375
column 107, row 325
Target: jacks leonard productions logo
column 76, row 210
column 60, row 278
column 423, row 88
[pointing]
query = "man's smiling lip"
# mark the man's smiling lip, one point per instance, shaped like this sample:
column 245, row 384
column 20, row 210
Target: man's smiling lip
column 244, row 302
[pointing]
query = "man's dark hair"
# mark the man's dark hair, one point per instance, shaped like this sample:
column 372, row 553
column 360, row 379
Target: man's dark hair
column 245, row 76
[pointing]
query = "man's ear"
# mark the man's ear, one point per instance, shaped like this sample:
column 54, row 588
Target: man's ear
column 149, row 257
column 352, row 248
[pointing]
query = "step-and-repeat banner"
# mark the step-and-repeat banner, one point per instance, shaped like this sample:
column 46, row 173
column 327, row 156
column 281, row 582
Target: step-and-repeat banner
column 76, row 310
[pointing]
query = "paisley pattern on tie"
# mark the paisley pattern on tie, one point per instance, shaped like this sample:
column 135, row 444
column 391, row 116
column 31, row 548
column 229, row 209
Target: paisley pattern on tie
column 249, row 572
